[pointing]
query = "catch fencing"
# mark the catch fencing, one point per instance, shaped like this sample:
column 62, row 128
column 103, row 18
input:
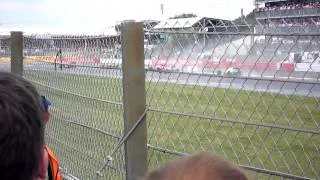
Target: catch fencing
column 126, row 103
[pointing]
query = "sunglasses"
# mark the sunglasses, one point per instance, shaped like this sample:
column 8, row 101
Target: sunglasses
column 45, row 103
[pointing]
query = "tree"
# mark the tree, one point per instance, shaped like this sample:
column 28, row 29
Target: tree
column 184, row 15
column 248, row 19
column 118, row 26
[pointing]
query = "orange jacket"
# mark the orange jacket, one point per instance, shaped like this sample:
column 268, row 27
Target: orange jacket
column 53, row 169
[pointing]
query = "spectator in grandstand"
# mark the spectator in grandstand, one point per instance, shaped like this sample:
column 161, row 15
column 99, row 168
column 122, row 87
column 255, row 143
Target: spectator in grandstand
column 22, row 153
column 290, row 6
column 203, row 166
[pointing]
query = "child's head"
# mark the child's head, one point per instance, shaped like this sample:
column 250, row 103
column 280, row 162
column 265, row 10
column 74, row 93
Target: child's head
column 203, row 166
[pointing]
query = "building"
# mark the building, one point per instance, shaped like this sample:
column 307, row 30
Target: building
column 288, row 31
column 199, row 24
column 203, row 29
column 287, row 16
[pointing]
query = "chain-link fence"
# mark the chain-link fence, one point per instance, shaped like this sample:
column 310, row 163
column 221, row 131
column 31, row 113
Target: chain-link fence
column 5, row 52
column 250, row 96
column 247, row 90
column 86, row 99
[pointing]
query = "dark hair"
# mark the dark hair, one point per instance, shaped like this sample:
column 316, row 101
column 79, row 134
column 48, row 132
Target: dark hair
column 21, row 128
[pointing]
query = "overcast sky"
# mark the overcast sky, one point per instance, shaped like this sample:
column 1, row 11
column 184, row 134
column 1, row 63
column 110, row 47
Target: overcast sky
column 93, row 16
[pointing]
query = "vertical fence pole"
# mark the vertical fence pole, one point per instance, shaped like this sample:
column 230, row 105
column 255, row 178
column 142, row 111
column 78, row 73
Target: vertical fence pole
column 134, row 98
column 60, row 57
column 17, row 52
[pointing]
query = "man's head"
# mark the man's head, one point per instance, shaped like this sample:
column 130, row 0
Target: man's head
column 201, row 166
column 22, row 153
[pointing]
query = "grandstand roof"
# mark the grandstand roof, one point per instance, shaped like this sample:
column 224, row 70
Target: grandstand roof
column 188, row 22
column 266, row 1
column 178, row 23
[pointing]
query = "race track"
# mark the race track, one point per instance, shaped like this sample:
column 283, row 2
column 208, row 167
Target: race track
column 283, row 85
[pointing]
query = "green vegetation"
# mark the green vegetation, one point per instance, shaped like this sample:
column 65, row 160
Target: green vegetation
column 184, row 15
column 83, row 100
column 249, row 19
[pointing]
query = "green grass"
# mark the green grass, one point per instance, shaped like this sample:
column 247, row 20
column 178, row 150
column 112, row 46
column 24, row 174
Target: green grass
column 82, row 150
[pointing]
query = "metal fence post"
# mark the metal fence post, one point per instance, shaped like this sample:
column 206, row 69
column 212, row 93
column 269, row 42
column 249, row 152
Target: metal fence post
column 134, row 98
column 17, row 52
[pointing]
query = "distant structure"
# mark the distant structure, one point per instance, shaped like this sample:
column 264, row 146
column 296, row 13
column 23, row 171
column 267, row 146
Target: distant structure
column 162, row 8
column 288, row 16
column 147, row 24
column 4, row 45
column 185, row 32
column 281, row 18
column 198, row 24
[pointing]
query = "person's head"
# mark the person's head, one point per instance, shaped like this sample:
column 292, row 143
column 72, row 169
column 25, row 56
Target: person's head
column 203, row 166
column 45, row 105
column 22, row 154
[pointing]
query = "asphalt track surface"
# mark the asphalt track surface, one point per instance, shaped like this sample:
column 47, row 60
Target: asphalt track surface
column 283, row 85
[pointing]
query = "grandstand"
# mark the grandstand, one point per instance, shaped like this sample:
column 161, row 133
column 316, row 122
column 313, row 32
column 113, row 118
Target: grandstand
column 205, row 33
column 273, row 50
column 221, row 41
column 4, row 46
column 288, row 16
column 282, row 18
